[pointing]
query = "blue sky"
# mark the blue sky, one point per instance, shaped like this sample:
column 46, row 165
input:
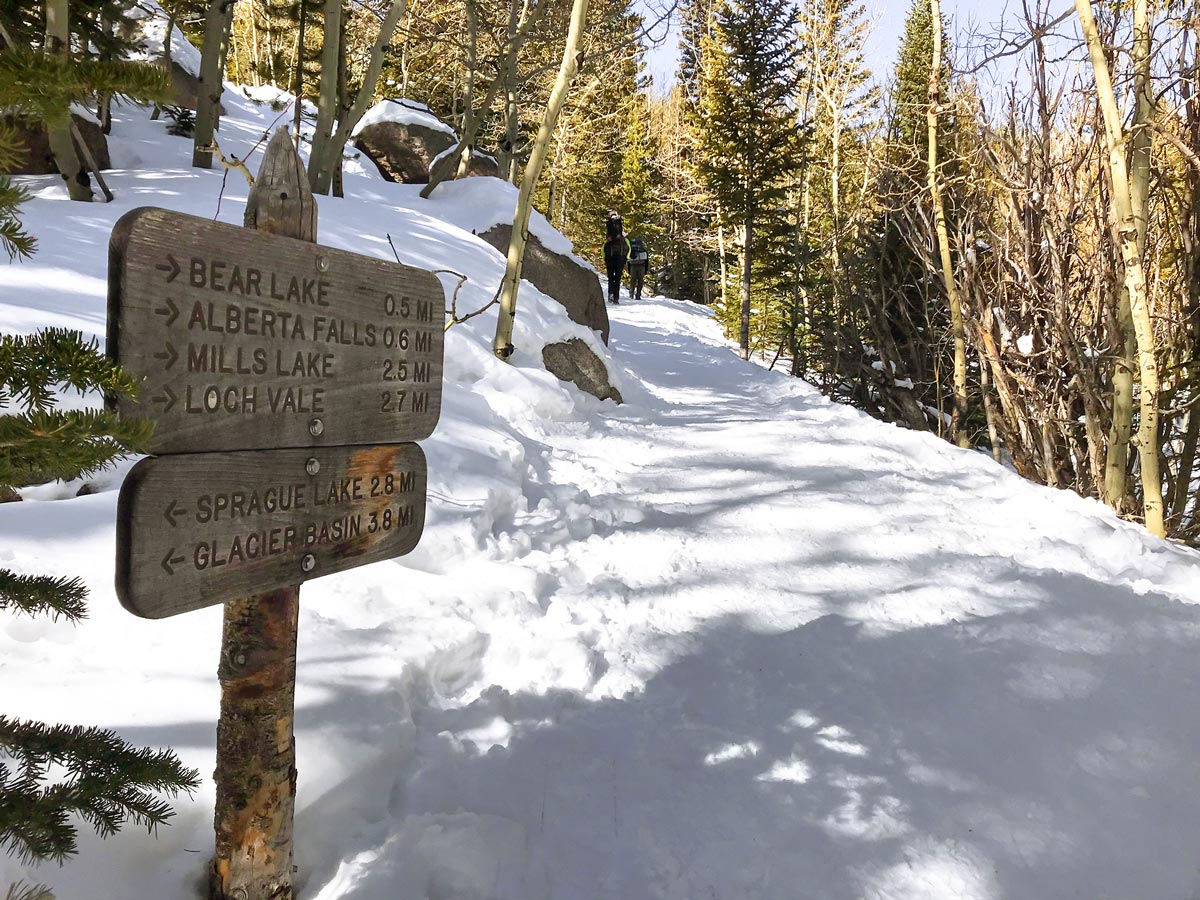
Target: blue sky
column 881, row 49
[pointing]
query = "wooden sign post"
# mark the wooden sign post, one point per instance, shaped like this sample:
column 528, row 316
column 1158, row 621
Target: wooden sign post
column 282, row 377
column 256, row 745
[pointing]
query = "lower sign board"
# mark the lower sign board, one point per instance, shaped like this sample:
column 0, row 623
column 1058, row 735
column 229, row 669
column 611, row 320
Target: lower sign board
column 200, row 529
column 244, row 340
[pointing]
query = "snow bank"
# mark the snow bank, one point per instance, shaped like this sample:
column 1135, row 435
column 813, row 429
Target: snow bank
column 153, row 21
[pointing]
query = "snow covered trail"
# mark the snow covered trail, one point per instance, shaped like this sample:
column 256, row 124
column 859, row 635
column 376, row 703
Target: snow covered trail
column 726, row 641
column 802, row 655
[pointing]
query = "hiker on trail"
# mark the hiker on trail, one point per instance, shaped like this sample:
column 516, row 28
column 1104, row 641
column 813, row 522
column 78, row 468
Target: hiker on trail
column 639, row 262
column 616, row 251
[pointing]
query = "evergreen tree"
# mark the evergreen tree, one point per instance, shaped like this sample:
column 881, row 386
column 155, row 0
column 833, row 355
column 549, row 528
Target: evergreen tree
column 49, row 773
column 14, row 240
column 910, row 91
column 640, row 203
column 747, row 137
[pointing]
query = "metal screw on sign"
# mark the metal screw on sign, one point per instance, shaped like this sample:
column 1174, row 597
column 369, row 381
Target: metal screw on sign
column 322, row 264
column 316, row 427
column 313, row 466
column 308, row 563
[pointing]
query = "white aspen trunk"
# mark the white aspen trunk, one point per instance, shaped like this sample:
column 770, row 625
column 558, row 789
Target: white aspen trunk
column 1117, row 459
column 320, row 168
column 327, row 101
column 957, row 433
column 502, row 345
column 212, row 80
column 468, row 125
column 58, row 43
column 1135, row 278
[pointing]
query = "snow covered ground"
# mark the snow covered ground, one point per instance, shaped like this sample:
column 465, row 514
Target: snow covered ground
column 728, row 640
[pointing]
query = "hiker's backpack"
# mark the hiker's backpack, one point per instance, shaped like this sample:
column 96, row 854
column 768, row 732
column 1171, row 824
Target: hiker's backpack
column 615, row 226
column 637, row 251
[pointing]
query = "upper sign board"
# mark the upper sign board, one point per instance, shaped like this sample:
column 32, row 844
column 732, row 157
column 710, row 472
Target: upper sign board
column 244, row 340
column 198, row 529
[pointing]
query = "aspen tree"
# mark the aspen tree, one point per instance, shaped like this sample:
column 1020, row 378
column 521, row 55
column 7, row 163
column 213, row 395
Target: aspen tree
column 502, row 344
column 328, row 143
column 58, row 130
column 958, row 416
column 1126, row 224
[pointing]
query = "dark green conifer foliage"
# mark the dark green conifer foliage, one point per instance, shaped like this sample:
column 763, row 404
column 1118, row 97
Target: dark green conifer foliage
column 747, row 136
column 14, row 240
column 44, row 87
column 42, row 442
column 50, row 773
column 641, row 205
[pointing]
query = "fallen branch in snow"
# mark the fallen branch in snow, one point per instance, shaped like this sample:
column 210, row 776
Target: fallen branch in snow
column 455, row 318
column 231, row 162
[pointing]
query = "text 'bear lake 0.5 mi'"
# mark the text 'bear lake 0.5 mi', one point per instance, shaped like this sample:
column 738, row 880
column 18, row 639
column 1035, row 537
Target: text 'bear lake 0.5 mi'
column 244, row 340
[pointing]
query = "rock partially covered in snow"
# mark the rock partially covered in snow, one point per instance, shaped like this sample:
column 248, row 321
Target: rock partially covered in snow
column 560, row 277
column 403, row 139
column 576, row 362
column 39, row 160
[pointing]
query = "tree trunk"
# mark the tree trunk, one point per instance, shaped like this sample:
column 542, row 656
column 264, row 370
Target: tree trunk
column 502, row 345
column 212, row 80
column 327, row 102
column 959, row 413
column 1135, row 279
column 58, row 131
column 321, row 165
column 256, row 748
column 343, row 102
column 724, row 263
column 747, row 260
column 298, row 75
column 468, row 122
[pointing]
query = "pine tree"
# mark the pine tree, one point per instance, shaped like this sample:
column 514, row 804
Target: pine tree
column 14, row 240
column 640, row 201
column 49, row 773
column 747, row 135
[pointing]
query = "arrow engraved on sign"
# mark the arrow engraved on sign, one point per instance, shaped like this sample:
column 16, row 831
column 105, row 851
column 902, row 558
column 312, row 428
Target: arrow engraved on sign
column 169, row 355
column 171, row 311
column 169, row 266
column 171, row 560
column 172, row 511
column 167, row 398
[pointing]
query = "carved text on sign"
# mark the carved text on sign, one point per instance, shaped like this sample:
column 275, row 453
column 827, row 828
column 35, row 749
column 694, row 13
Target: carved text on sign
column 198, row 529
column 245, row 340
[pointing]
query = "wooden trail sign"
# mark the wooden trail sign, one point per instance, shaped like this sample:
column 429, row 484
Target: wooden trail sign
column 203, row 528
column 246, row 340
column 282, row 378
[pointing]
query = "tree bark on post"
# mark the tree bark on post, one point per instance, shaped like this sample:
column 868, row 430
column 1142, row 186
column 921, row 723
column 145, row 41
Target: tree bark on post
column 212, row 80
column 256, row 747
column 958, row 416
column 1135, row 278
column 502, row 344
